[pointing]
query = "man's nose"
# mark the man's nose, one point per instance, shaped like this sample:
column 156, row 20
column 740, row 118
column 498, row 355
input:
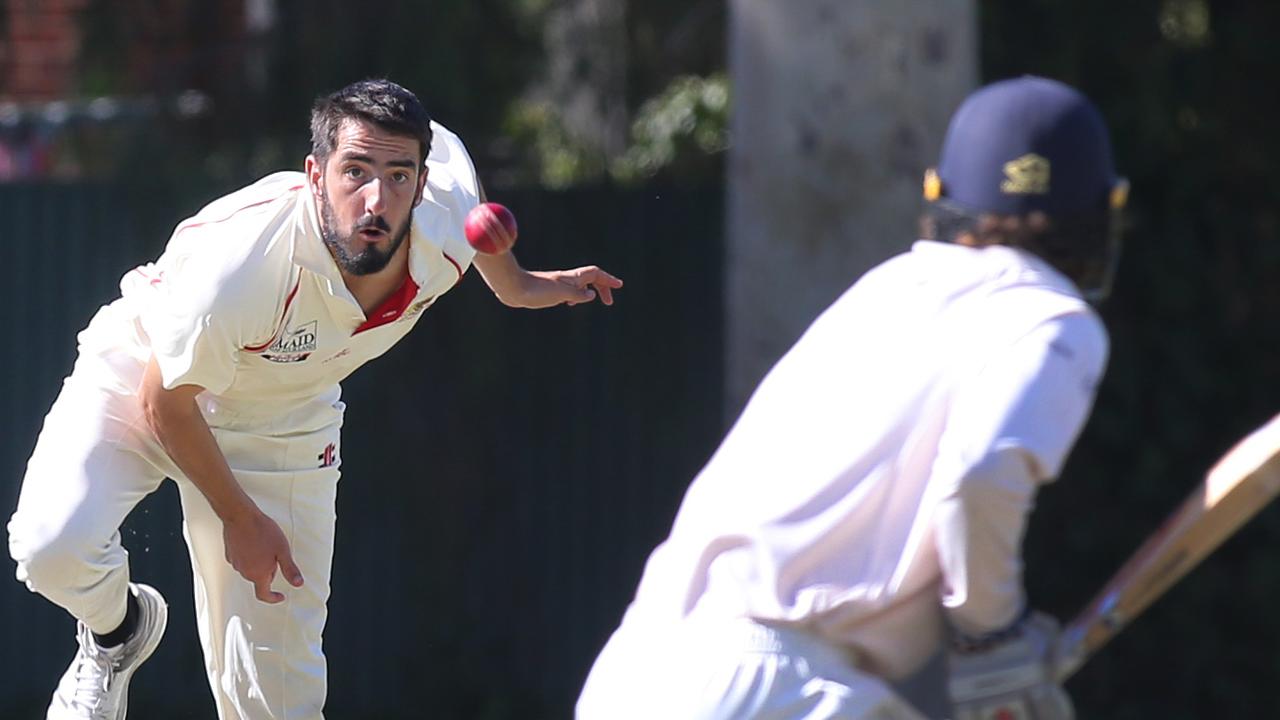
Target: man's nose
column 374, row 198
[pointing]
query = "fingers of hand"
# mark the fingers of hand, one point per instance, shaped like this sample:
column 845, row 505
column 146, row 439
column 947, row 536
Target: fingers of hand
column 290, row 570
column 609, row 280
column 586, row 278
column 262, row 580
column 580, row 295
column 256, row 556
column 262, row 589
column 593, row 275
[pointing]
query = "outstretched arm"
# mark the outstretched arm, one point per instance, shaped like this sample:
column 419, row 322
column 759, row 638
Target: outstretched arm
column 517, row 287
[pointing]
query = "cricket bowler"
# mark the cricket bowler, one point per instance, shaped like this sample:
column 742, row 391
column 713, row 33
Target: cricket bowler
column 219, row 367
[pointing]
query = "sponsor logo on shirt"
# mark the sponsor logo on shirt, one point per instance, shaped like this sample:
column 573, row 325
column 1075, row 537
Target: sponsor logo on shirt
column 296, row 358
column 329, row 457
column 413, row 310
column 294, row 345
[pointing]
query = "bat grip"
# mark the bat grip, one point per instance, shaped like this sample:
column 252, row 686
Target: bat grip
column 1068, row 654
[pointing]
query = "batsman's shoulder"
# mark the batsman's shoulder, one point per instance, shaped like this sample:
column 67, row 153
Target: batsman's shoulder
column 1080, row 340
column 1086, row 329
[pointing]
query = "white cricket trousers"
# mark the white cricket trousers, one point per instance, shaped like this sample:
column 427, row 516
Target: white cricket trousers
column 94, row 462
column 731, row 670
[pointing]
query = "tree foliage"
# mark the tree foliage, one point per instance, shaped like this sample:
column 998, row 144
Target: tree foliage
column 475, row 64
column 680, row 132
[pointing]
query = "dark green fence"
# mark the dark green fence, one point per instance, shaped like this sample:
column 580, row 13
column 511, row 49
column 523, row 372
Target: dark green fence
column 505, row 471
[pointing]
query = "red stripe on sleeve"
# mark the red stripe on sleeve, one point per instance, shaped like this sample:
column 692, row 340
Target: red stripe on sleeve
column 237, row 211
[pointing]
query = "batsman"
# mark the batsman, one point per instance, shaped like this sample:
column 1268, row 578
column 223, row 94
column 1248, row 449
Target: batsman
column 853, row 547
column 219, row 367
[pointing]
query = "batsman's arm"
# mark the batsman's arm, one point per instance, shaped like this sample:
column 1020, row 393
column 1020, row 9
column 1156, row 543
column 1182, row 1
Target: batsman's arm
column 1010, row 428
column 255, row 545
column 980, row 525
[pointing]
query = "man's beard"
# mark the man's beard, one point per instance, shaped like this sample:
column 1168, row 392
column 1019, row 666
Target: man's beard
column 368, row 260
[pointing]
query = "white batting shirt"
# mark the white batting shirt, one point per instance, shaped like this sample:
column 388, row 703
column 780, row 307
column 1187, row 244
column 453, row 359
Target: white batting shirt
column 247, row 302
column 884, row 467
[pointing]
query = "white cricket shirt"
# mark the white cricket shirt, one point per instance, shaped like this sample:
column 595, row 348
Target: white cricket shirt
column 247, row 302
column 821, row 505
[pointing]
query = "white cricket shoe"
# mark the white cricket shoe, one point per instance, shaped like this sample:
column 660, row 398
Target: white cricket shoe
column 96, row 686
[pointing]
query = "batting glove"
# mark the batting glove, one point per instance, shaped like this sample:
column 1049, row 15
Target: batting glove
column 1008, row 674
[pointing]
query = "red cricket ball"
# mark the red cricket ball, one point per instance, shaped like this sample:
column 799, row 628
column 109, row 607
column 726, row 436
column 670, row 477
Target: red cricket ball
column 490, row 228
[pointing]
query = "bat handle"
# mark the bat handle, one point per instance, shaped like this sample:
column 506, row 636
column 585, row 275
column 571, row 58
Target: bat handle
column 1069, row 653
column 1074, row 646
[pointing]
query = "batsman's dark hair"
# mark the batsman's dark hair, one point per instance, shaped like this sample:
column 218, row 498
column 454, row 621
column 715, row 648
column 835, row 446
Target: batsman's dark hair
column 1083, row 246
column 379, row 102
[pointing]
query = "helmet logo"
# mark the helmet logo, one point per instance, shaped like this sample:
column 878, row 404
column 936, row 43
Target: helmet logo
column 1028, row 175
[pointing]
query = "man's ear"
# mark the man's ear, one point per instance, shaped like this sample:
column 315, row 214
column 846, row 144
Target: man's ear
column 314, row 171
column 422, row 183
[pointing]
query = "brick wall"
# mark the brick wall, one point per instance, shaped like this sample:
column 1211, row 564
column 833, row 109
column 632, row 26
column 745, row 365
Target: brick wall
column 164, row 46
column 39, row 50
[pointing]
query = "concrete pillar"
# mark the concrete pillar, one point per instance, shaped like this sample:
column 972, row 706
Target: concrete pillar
column 839, row 106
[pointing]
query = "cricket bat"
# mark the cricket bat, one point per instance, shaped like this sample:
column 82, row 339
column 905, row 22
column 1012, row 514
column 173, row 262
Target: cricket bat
column 1235, row 489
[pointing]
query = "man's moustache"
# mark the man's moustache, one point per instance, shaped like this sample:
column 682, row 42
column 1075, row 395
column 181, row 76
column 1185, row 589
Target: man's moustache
column 375, row 222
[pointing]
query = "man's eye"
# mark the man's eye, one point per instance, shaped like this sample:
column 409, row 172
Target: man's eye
column 354, row 173
column 400, row 177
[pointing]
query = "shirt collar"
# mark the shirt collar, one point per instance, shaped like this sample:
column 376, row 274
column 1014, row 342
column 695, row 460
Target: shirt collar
column 309, row 250
column 1027, row 266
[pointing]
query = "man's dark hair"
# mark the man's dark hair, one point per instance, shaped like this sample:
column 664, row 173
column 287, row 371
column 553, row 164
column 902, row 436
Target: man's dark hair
column 1081, row 246
column 381, row 103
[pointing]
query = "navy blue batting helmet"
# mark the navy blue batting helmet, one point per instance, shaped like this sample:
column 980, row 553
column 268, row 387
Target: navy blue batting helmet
column 1023, row 145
